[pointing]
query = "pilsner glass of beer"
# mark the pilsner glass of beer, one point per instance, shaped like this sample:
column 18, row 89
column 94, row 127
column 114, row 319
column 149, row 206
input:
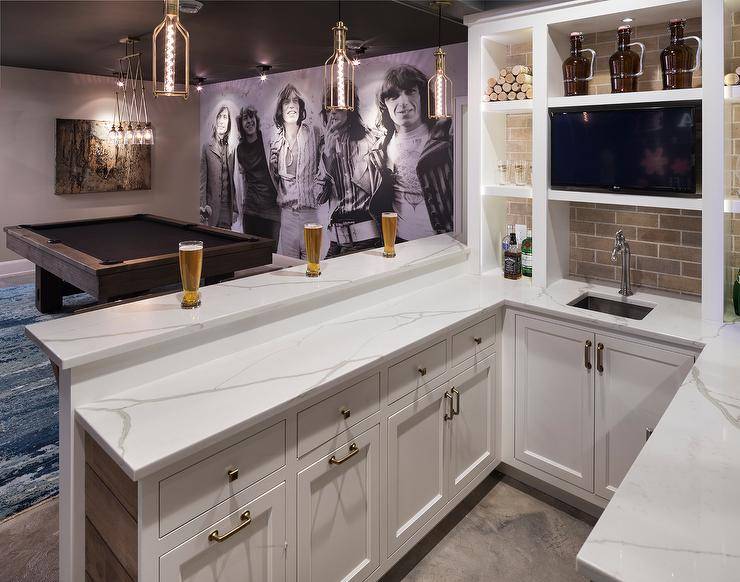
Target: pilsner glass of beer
column 389, row 221
column 191, row 266
column 312, row 235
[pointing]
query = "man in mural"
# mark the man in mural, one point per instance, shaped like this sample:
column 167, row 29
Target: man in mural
column 351, row 180
column 294, row 163
column 217, row 199
column 416, row 155
column 256, row 192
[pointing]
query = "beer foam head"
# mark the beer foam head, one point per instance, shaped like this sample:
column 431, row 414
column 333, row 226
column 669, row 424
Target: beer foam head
column 390, row 214
column 191, row 245
column 312, row 226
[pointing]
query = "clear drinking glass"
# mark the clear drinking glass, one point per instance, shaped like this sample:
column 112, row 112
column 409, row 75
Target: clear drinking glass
column 389, row 222
column 312, row 234
column 520, row 172
column 503, row 172
column 191, row 267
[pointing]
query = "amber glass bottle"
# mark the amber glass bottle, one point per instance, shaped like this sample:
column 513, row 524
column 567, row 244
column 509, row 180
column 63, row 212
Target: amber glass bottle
column 576, row 67
column 677, row 60
column 625, row 65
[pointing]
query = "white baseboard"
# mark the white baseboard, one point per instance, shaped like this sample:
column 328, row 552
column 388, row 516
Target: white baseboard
column 19, row 267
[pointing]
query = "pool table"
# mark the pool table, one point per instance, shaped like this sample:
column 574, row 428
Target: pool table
column 125, row 256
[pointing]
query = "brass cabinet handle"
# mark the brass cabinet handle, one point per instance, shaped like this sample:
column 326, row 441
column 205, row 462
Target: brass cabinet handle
column 478, row 340
column 233, row 474
column 587, row 354
column 451, row 415
column 456, row 407
column 345, row 412
column 600, row 357
column 648, row 433
column 422, row 371
column 353, row 450
column 246, row 520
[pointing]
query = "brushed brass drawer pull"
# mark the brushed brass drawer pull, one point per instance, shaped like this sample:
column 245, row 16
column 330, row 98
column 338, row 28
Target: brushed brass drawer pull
column 353, row 450
column 600, row 357
column 587, row 354
column 456, row 407
column 346, row 412
column 423, row 371
column 246, row 520
column 451, row 414
column 233, row 474
column 478, row 340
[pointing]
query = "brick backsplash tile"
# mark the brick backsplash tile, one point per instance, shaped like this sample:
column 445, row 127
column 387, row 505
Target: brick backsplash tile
column 638, row 218
column 659, row 265
column 658, row 235
column 595, row 215
column 609, row 230
column 678, row 283
column 691, row 254
column 691, row 239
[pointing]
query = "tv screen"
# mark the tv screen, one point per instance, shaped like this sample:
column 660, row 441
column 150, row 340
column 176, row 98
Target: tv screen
column 646, row 149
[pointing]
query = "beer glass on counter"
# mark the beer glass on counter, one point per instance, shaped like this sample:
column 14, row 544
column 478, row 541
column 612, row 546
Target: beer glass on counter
column 389, row 222
column 191, row 266
column 312, row 235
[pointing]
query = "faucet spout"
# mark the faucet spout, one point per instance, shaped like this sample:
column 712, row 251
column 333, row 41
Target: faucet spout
column 622, row 246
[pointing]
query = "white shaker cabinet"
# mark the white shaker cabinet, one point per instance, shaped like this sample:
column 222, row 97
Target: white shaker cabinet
column 635, row 383
column 472, row 429
column 554, row 399
column 416, row 470
column 247, row 545
column 338, row 513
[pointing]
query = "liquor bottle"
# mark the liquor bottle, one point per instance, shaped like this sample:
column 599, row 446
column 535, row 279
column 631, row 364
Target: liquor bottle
column 576, row 66
column 676, row 59
column 527, row 255
column 624, row 65
column 513, row 259
column 736, row 294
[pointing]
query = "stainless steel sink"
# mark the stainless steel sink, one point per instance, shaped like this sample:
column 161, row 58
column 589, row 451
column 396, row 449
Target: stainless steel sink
column 611, row 306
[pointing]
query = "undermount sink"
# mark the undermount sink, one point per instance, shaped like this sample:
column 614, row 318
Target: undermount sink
column 620, row 308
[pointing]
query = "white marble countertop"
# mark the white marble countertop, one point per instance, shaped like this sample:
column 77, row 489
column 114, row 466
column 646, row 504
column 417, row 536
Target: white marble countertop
column 91, row 336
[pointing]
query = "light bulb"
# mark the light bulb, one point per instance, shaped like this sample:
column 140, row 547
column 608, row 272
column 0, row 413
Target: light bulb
column 199, row 88
column 439, row 95
column 148, row 134
column 169, row 56
column 138, row 135
column 341, row 101
column 113, row 134
column 128, row 137
column 119, row 83
column 263, row 76
column 356, row 62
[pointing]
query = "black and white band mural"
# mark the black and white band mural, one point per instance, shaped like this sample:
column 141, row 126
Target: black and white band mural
column 273, row 159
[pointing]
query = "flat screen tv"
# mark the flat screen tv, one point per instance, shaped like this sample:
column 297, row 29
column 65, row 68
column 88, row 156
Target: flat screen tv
column 646, row 149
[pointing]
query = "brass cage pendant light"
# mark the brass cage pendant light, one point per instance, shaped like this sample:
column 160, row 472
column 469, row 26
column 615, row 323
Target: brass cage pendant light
column 172, row 30
column 439, row 86
column 339, row 73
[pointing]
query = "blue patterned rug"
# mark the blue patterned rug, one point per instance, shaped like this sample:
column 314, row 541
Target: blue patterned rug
column 29, row 436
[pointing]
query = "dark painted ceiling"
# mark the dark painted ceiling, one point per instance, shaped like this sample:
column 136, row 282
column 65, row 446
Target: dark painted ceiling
column 228, row 38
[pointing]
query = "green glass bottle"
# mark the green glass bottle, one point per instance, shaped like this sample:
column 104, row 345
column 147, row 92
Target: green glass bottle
column 527, row 255
column 736, row 294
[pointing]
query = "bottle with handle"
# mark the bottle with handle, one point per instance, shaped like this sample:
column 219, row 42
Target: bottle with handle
column 577, row 71
column 625, row 65
column 677, row 57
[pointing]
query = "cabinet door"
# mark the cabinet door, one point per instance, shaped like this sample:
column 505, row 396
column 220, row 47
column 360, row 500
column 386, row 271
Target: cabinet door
column 554, row 419
column 416, row 476
column 636, row 385
column 338, row 510
column 254, row 552
column 472, row 427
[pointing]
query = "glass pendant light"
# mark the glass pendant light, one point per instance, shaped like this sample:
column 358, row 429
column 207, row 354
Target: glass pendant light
column 339, row 72
column 172, row 31
column 113, row 133
column 439, row 87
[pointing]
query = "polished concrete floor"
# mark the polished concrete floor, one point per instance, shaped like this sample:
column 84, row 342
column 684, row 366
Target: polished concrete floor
column 504, row 531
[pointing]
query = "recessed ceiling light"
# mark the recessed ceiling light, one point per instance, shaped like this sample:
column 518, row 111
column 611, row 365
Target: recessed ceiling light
column 263, row 69
column 628, row 19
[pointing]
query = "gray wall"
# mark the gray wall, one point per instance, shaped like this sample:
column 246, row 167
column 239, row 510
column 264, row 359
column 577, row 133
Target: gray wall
column 31, row 100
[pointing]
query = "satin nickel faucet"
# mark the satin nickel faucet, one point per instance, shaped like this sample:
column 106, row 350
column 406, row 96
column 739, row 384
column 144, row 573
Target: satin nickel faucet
column 622, row 246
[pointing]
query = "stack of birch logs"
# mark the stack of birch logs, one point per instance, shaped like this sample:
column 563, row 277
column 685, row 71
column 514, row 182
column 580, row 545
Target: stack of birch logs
column 512, row 83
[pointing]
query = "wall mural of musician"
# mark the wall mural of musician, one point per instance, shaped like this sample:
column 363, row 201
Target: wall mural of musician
column 273, row 158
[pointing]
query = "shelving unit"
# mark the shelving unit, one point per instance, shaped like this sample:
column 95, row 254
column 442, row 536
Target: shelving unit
column 661, row 97
column 626, row 199
column 508, row 191
column 524, row 106
column 548, row 28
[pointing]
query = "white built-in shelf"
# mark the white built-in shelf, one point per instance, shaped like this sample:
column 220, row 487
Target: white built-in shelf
column 509, row 191
column 661, row 97
column 626, row 199
column 515, row 106
column 732, row 93
column 732, row 205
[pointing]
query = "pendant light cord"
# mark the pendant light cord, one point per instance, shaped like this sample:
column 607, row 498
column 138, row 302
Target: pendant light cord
column 339, row 10
column 439, row 26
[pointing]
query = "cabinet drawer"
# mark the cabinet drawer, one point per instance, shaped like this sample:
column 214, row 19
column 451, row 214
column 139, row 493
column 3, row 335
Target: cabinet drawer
column 417, row 370
column 320, row 422
column 200, row 487
column 254, row 552
column 472, row 340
